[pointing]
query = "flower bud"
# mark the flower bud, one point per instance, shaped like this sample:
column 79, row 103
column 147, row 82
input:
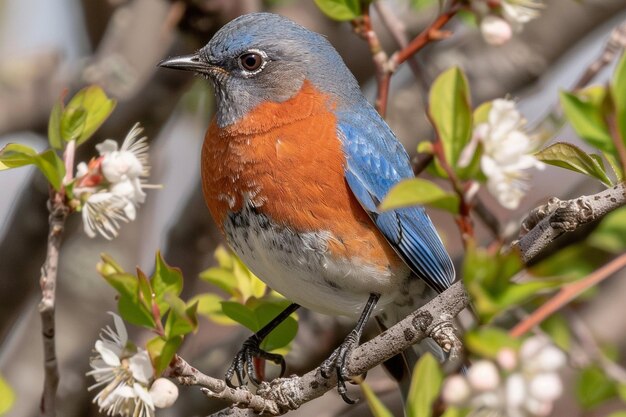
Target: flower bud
column 456, row 391
column 545, row 387
column 483, row 376
column 495, row 30
column 164, row 393
column 507, row 359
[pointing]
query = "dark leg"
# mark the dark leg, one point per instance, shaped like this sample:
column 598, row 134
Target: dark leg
column 339, row 358
column 250, row 349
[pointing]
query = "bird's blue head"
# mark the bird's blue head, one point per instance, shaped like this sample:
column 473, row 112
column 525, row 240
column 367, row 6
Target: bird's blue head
column 264, row 57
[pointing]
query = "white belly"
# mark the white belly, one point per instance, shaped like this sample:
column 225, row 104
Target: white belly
column 300, row 267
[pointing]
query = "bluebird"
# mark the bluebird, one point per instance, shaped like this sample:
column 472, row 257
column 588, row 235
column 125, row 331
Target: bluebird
column 294, row 166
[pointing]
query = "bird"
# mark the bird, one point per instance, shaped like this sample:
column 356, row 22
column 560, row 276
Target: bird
column 294, row 165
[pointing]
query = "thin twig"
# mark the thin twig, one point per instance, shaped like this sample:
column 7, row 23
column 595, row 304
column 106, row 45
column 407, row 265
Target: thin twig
column 385, row 66
column 285, row 394
column 58, row 215
column 592, row 350
column 398, row 32
column 567, row 294
column 363, row 27
column 615, row 43
column 487, row 217
column 431, row 33
column 464, row 221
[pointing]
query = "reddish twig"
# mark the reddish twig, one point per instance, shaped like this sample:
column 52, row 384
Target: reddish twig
column 567, row 294
column 386, row 66
column 431, row 33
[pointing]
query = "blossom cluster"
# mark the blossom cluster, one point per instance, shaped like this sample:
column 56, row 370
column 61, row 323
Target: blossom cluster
column 507, row 152
column 125, row 376
column 518, row 384
column 110, row 187
column 498, row 24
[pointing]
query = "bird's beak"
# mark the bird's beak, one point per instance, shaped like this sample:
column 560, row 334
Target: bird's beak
column 191, row 62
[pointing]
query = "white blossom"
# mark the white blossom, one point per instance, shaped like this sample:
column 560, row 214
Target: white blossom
column 104, row 212
column 527, row 385
column 495, row 30
column 519, row 12
column 128, row 162
column 122, row 374
column 111, row 187
column 497, row 24
column 507, row 152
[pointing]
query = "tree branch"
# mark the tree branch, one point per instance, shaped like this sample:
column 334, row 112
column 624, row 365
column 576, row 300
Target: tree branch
column 615, row 43
column 58, row 215
column 567, row 294
column 546, row 223
column 281, row 395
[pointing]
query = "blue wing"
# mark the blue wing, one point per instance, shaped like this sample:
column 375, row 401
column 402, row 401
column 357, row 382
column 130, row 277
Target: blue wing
column 376, row 161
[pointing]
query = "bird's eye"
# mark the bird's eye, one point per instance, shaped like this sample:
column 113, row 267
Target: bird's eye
column 251, row 61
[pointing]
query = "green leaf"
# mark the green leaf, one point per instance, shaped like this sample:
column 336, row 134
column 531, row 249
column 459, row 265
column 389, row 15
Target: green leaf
column 450, row 112
column 610, row 235
column 519, row 293
column 481, row 113
column 135, row 312
column 210, row 306
column 568, row 156
column 51, row 166
column 572, row 262
column 585, row 113
column 241, row 314
column 376, row 406
column 166, row 279
column 108, row 266
column 456, row 412
column 221, row 278
column 248, row 284
column 145, row 293
column 340, row 9
column 593, row 387
column 425, row 386
column 85, row 113
column 284, row 333
column 618, row 414
column 416, row 191
column 162, row 352
column 486, row 342
column 15, row 155
column 7, row 396
column 54, row 125
column 182, row 319
column 73, row 123
column 125, row 284
column 224, row 257
column 558, row 329
column 618, row 93
column 48, row 162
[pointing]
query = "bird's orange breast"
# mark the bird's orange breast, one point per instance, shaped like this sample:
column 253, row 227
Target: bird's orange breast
column 286, row 160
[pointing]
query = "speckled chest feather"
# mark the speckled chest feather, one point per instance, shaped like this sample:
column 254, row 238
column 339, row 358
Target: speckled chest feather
column 274, row 183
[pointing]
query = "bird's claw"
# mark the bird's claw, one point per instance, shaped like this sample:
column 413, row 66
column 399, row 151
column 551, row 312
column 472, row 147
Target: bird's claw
column 243, row 362
column 338, row 361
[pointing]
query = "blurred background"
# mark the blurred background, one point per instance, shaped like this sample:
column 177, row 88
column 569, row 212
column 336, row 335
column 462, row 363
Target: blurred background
column 47, row 46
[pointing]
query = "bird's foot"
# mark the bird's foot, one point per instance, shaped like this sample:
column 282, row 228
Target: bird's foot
column 338, row 361
column 244, row 362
